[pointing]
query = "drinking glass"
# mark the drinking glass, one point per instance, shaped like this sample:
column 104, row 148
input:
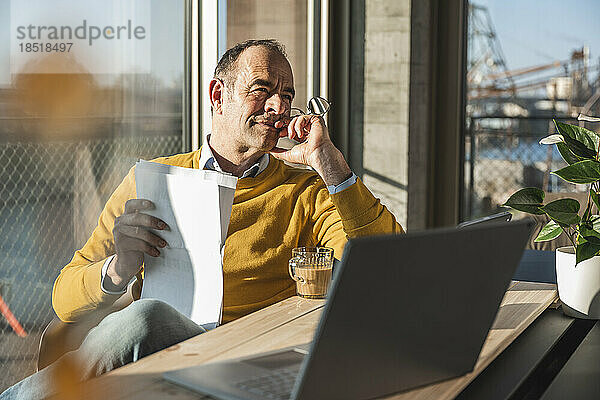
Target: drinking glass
column 311, row 268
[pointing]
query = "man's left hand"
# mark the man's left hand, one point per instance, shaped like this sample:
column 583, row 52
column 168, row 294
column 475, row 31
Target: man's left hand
column 315, row 150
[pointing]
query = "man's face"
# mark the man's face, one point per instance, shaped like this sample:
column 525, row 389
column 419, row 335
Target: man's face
column 262, row 95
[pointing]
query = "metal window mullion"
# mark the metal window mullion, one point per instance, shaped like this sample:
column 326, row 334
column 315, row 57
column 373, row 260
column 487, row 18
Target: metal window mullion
column 190, row 86
column 313, row 50
column 324, row 50
column 208, row 57
column 221, row 28
column 448, row 105
column 310, row 53
column 339, row 42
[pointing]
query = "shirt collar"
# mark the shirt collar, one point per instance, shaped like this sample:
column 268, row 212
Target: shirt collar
column 208, row 161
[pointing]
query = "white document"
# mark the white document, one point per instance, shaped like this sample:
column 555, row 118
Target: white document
column 196, row 204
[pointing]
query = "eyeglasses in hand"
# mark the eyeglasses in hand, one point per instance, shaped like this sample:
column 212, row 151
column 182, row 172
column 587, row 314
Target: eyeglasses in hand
column 316, row 106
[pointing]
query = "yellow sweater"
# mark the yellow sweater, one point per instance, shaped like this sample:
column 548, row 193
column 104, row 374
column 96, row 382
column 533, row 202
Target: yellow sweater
column 282, row 208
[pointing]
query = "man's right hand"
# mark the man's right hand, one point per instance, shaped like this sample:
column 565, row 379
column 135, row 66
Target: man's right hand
column 133, row 237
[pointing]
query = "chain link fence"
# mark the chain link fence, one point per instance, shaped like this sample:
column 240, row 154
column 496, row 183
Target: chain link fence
column 51, row 194
column 503, row 155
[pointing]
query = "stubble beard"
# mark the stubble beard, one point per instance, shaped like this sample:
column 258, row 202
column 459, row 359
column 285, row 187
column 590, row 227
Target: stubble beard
column 263, row 138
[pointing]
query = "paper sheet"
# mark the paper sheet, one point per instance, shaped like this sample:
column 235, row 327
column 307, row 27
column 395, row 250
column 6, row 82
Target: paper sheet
column 196, row 204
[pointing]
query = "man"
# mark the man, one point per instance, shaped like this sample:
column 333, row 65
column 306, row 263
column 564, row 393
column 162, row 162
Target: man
column 275, row 209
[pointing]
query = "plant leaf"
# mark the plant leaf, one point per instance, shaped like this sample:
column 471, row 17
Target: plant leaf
column 579, row 149
column 580, row 131
column 552, row 139
column 580, row 141
column 551, row 231
column 567, row 155
column 590, row 235
column 595, row 198
column 528, row 200
column 583, row 117
column 563, row 211
column 585, row 251
column 586, row 171
column 595, row 221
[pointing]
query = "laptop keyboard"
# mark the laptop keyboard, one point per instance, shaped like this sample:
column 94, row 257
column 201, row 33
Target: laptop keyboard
column 277, row 385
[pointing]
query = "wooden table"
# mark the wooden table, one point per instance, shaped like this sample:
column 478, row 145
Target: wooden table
column 293, row 322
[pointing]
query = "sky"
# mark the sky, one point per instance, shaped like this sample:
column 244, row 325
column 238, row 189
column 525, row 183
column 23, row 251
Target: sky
column 534, row 32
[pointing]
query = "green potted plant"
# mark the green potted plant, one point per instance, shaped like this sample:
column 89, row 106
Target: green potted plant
column 577, row 266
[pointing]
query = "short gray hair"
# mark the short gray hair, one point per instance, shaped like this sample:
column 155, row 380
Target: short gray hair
column 226, row 65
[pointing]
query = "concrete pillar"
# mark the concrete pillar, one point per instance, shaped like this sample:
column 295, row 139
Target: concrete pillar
column 386, row 100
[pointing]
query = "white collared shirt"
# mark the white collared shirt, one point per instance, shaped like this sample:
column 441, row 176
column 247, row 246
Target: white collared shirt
column 208, row 161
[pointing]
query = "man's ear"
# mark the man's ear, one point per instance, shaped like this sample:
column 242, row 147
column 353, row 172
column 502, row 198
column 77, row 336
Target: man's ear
column 216, row 92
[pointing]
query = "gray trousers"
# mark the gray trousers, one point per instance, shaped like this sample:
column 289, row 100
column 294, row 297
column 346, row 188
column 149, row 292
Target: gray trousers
column 142, row 328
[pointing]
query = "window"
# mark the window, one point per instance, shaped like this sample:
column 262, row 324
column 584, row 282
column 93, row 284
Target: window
column 86, row 89
column 92, row 87
column 248, row 19
column 527, row 63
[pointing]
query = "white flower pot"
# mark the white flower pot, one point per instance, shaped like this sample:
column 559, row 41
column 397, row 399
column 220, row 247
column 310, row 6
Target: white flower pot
column 578, row 286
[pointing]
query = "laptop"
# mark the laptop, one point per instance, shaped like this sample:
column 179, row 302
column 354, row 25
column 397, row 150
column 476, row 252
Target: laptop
column 404, row 311
column 501, row 216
